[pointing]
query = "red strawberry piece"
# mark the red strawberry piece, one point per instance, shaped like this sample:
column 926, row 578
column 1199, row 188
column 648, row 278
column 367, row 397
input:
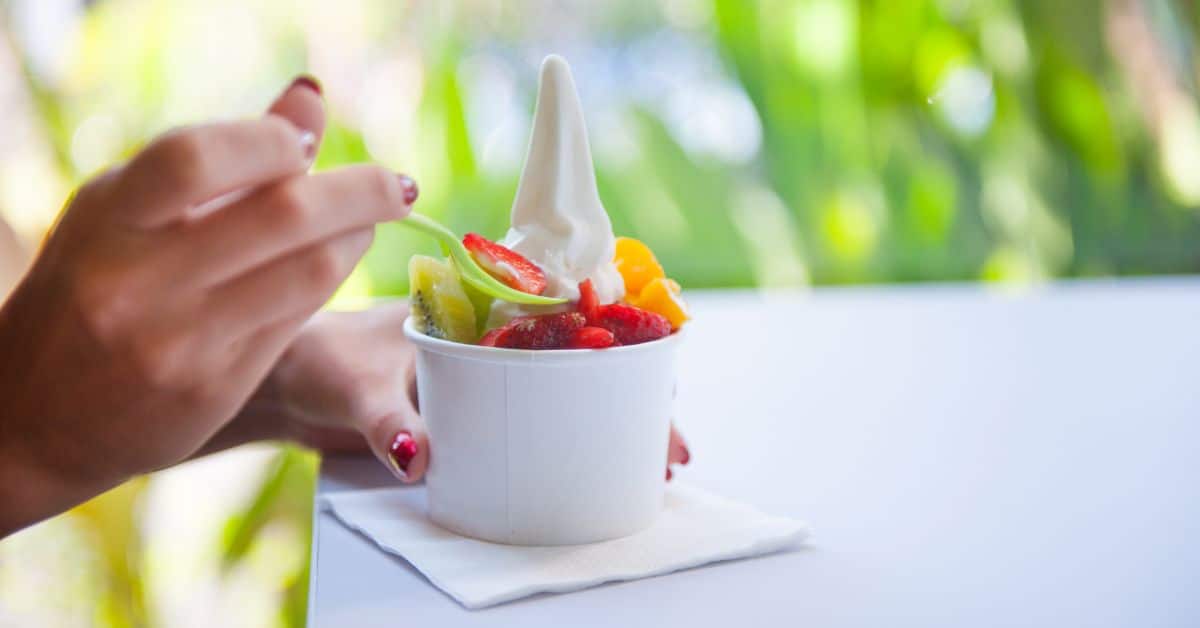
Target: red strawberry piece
column 589, row 302
column 591, row 338
column 631, row 325
column 547, row 331
column 506, row 264
column 489, row 339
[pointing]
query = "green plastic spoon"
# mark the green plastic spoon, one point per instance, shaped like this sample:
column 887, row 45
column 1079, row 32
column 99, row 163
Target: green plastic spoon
column 469, row 268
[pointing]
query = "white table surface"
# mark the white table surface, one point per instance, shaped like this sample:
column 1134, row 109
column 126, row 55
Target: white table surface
column 964, row 457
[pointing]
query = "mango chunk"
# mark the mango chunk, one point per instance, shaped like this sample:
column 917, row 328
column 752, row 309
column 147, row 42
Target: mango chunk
column 662, row 296
column 637, row 265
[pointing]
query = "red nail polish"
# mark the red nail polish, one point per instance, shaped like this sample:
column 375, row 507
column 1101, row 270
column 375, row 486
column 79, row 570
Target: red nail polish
column 307, row 81
column 669, row 474
column 402, row 452
column 410, row 189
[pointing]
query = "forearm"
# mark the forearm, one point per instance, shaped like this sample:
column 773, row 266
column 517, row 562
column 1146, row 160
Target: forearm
column 45, row 466
column 31, row 491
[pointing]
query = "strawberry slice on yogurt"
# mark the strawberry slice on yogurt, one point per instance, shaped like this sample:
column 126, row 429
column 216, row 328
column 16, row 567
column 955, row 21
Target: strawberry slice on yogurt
column 507, row 265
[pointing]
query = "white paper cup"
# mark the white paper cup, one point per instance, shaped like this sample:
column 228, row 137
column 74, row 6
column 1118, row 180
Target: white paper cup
column 545, row 447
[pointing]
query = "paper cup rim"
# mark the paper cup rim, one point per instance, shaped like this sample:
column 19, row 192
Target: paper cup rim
column 525, row 356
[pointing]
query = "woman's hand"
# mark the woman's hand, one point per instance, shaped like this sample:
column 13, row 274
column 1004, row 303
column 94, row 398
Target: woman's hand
column 168, row 291
column 348, row 384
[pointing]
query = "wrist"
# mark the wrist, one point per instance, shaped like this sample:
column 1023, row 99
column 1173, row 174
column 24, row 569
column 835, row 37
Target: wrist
column 31, row 491
column 36, row 478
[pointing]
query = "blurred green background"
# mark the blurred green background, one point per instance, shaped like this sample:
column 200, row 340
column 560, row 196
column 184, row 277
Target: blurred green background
column 779, row 143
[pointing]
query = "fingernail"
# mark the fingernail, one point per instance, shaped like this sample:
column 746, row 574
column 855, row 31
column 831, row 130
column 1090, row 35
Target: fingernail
column 669, row 474
column 308, row 144
column 410, row 189
column 401, row 453
column 307, row 81
column 687, row 455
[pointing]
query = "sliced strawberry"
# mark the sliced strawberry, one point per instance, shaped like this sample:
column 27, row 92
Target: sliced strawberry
column 506, row 264
column 631, row 325
column 489, row 339
column 547, row 331
column 589, row 303
column 591, row 338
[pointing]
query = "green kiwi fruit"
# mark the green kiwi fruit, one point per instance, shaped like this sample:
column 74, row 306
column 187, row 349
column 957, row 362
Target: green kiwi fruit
column 440, row 306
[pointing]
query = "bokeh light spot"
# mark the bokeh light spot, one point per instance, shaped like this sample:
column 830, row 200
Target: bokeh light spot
column 824, row 36
column 1179, row 147
column 966, row 100
column 687, row 14
column 850, row 227
column 717, row 121
column 938, row 52
column 97, row 141
column 769, row 231
column 1004, row 45
column 1006, row 265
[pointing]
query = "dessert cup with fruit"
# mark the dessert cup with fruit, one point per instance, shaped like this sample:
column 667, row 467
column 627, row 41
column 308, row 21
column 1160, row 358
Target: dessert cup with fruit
column 548, row 423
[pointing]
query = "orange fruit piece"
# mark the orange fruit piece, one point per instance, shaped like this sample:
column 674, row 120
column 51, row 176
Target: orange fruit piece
column 661, row 296
column 637, row 265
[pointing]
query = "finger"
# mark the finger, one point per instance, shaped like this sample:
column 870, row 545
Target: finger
column 332, row 440
column 295, row 285
column 188, row 166
column 398, row 439
column 255, row 355
column 301, row 104
column 284, row 217
column 677, row 450
column 412, row 389
column 400, row 442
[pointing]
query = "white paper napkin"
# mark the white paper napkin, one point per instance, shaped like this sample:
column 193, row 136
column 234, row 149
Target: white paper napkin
column 694, row 528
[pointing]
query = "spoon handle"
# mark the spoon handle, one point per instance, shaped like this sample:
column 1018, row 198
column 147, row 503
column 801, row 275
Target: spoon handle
column 469, row 268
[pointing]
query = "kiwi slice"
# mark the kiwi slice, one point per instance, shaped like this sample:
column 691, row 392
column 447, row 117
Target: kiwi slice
column 440, row 307
column 482, row 303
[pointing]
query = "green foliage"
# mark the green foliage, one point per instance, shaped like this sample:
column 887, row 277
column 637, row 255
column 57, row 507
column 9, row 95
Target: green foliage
column 111, row 522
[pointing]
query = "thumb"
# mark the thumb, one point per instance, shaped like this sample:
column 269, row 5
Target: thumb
column 400, row 442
